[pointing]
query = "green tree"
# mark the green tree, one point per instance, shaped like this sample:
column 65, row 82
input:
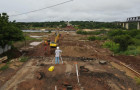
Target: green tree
column 123, row 40
column 9, row 32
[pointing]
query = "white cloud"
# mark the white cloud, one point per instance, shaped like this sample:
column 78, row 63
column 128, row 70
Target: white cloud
column 98, row 10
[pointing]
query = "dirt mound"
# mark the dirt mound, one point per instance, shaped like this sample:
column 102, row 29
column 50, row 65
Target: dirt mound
column 11, row 54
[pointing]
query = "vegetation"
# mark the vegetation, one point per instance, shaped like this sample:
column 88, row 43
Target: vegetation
column 112, row 46
column 28, row 38
column 129, row 42
column 123, row 40
column 94, row 25
column 4, row 67
column 35, row 25
column 92, row 38
column 63, row 24
column 24, row 59
column 9, row 32
column 137, row 81
column 132, row 50
column 91, row 32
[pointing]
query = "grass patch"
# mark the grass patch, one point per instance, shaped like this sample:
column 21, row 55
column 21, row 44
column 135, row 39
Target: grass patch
column 91, row 38
column 28, row 38
column 4, row 67
column 137, row 80
column 24, row 59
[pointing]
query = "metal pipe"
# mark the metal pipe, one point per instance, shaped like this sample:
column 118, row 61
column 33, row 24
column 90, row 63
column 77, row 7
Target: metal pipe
column 77, row 73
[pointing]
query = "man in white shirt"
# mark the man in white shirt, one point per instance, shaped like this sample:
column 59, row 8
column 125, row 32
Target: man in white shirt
column 57, row 55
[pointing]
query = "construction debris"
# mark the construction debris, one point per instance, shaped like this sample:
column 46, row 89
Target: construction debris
column 83, row 69
column 40, row 75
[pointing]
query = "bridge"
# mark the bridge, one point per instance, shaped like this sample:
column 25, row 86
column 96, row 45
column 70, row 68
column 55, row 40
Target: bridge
column 125, row 24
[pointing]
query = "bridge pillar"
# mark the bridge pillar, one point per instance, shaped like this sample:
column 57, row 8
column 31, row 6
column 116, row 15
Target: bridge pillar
column 138, row 26
column 123, row 25
column 127, row 25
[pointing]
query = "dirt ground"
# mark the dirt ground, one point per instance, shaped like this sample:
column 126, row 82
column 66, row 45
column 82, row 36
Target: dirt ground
column 34, row 74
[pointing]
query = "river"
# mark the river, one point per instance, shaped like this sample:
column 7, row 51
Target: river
column 47, row 31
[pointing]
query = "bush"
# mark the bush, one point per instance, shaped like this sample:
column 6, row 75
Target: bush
column 113, row 33
column 132, row 50
column 136, row 41
column 137, row 36
column 81, row 32
column 133, row 33
column 112, row 46
column 101, row 38
column 92, row 38
column 23, row 59
column 123, row 40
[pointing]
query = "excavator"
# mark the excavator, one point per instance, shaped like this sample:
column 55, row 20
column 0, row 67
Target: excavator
column 54, row 44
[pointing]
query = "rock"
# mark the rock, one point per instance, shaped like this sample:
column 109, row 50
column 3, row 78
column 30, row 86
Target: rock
column 3, row 59
column 102, row 62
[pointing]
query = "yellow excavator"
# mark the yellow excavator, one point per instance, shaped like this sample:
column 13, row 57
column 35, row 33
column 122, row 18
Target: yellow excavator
column 54, row 44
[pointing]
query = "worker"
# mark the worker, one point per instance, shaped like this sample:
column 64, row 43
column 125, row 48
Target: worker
column 57, row 55
column 47, row 48
column 46, row 45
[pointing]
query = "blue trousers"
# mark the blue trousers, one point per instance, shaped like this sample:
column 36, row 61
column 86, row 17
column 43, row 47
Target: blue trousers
column 56, row 60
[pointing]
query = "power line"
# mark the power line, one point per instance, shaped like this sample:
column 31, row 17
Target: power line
column 41, row 9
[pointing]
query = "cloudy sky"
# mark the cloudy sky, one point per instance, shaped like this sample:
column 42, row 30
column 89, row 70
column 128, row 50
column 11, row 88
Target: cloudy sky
column 92, row 10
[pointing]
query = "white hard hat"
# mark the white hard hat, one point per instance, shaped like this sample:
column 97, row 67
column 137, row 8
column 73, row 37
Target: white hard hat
column 57, row 48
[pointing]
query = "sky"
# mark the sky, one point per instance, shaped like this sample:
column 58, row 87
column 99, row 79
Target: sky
column 76, row 10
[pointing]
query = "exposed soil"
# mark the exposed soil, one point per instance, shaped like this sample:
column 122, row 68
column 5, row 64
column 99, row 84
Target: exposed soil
column 13, row 53
column 34, row 74
column 132, row 61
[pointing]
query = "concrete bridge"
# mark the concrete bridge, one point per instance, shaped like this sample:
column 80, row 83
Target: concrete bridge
column 125, row 24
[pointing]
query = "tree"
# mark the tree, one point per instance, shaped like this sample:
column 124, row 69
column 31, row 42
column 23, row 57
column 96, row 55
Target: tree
column 9, row 32
column 123, row 40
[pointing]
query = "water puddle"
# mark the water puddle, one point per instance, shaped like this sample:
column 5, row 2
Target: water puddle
column 35, row 43
column 36, row 36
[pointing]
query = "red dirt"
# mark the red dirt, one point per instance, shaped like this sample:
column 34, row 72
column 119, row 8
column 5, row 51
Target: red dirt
column 132, row 61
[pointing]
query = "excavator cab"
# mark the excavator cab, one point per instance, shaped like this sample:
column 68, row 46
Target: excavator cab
column 53, row 44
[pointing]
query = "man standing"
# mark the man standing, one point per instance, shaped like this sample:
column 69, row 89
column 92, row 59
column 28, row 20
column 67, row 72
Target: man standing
column 57, row 55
